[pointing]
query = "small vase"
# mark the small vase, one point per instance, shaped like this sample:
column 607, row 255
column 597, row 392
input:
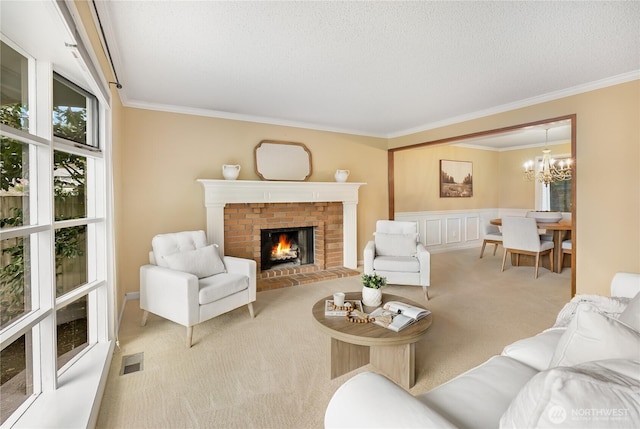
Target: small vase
column 230, row 172
column 341, row 175
column 371, row 297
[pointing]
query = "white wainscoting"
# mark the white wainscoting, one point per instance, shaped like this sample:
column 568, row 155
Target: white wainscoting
column 444, row 231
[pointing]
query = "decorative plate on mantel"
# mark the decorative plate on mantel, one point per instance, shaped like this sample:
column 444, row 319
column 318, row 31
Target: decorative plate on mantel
column 545, row 216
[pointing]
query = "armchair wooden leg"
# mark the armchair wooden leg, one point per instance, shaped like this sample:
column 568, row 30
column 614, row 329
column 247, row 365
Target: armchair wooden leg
column 426, row 292
column 551, row 258
column 537, row 265
column 484, row 243
column 145, row 316
column 250, row 305
column 495, row 249
column 189, row 336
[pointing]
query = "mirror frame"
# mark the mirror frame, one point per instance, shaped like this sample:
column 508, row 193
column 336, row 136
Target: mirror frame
column 269, row 162
column 572, row 118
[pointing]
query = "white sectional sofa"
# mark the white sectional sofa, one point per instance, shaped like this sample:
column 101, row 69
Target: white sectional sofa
column 584, row 374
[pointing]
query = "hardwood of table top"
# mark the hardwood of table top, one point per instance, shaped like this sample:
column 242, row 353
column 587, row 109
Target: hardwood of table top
column 369, row 334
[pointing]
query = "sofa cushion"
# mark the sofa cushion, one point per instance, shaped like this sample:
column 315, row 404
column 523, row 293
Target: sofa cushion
column 479, row 397
column 217, row 287
column 396, row 244
column 593, row 336
column 535, row 351
column 202, row 262
column 590, row 395
column 631, row 314
column 403, row 264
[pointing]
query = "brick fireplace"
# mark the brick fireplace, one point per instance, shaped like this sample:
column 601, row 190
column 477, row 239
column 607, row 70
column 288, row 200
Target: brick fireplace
column 238, row 210
column 243, row 224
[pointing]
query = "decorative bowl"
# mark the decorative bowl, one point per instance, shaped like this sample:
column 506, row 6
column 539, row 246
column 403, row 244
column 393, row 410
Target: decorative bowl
column 545, row 216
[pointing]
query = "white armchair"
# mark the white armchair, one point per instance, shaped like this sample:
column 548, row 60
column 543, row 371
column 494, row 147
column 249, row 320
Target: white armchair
column 188, row 283
column 396, row 254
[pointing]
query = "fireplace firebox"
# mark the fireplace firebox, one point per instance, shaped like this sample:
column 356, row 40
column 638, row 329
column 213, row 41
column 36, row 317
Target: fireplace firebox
column 286, row 247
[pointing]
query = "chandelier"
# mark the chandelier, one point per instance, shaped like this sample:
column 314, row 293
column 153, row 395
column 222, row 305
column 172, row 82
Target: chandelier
column 549, row 170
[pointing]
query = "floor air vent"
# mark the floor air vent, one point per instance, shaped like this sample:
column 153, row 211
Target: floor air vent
column 132, row 363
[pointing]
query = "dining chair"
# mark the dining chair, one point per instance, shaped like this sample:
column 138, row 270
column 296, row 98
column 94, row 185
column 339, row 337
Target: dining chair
column 492, row 235
column 520, row 237
column 567, row 249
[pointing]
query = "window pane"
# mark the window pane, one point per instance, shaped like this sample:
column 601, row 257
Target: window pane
column 69, row 185
column 560, row 196
column 16, row 375
column 71, row 258
column 72, row 330
column 70, row 109
column 15, row 285
column 14, row 95
column 14, row 183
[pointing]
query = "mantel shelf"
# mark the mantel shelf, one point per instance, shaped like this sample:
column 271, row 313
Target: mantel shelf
column 256, row 191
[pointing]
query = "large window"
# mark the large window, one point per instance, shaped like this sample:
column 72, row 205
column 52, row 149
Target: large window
column 52, row 226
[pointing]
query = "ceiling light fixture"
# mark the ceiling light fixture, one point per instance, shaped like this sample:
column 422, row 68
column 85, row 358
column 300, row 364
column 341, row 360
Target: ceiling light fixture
column 548, row 171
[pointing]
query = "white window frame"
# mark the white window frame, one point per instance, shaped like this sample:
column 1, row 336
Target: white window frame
column 41, row 320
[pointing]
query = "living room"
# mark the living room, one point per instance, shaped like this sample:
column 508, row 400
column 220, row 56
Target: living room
column 156, row 157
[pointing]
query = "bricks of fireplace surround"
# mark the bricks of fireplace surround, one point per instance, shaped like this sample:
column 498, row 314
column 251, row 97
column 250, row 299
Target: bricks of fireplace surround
column 243, row 222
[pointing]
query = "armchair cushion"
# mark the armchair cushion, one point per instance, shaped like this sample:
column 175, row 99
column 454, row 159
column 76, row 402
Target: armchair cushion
column 176, row 242
column 202, row 262
column 405, row 264
column 395, row 244
column 220, row 286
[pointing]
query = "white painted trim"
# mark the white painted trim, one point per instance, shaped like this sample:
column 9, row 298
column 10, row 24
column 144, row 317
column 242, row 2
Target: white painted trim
column 218, row 193
column 449, row 230
column 555, row 95
column 591, row 86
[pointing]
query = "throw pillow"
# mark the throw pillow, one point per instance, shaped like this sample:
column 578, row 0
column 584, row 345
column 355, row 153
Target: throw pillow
column 593, row 336
column 395, row 244
column 202, row 262
column 591, row 395
column 631, row 314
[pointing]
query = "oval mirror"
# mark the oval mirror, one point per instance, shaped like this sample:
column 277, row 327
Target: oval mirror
column 279, row 160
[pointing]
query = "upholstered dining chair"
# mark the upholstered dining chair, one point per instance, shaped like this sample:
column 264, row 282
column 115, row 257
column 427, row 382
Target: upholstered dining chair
column 492, row 235
column 188, row 282
column 396, row 253
column 567, row 249
column 520, row 236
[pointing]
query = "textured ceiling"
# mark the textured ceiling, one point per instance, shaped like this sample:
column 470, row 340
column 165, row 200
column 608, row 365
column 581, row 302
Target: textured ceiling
column 371, row 68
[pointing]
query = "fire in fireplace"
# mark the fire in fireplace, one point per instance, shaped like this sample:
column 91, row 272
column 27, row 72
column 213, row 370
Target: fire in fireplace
column 286, row 247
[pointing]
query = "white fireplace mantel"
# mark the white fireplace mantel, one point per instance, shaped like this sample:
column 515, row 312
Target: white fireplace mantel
column 218, row 193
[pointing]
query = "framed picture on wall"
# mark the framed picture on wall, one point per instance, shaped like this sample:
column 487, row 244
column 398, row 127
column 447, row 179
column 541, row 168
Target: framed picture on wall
column 456, row 179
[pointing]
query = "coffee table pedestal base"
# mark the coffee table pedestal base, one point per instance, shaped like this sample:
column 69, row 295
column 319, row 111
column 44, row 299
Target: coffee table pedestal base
column 396, row 362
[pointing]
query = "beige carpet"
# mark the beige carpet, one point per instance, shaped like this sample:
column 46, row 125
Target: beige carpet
column 273, row 371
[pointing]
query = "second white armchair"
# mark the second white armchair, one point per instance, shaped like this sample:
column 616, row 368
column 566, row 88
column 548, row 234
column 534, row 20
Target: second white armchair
column 396, row 253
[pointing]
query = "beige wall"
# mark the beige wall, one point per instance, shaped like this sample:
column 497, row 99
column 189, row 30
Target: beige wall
column 164, row 154
column 497, row 178
column 608, row 174
column 516, row 193
column 417, row 179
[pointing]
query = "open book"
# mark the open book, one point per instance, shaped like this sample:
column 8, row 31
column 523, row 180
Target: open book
column 397, row 315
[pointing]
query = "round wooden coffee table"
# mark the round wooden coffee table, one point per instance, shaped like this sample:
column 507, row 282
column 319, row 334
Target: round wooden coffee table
column 356, row 344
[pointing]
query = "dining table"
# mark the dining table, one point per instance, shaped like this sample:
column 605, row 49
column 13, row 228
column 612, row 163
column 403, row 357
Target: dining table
column 559, row 229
